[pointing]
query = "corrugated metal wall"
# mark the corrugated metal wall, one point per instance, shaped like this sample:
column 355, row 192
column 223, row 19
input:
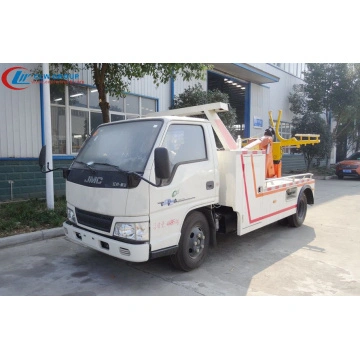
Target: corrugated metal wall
column 259, row 107
column 20, row 119
column 20, row 115
column 180, row 85
column 162, row 93
column 280, row 91
column 146, row 87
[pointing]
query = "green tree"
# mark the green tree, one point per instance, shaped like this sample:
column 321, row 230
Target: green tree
column 329, row 89
column 195, row 95
column 354, row 128
column 114, row 79
column 347, row 134
column 311, row 123
column 334, row 90
column 298, row 101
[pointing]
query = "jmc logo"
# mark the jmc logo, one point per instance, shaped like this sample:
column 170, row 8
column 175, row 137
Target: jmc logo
column 15, row 79
column 94, row 180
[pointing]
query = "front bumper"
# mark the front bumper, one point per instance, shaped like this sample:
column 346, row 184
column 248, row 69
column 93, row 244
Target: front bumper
column 347, row 172
column 118, row 249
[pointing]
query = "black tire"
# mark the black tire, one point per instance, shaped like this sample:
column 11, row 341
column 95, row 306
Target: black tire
column 193, row 244
column 298, row 218
column 340, row 177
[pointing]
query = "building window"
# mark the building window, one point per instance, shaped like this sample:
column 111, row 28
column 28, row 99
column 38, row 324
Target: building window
column 75, row 113
column 78, row 96
column 96, row 119
column 285, row 132
column 147, row 106
column 116, row 117
column 94, row 99
column 116, row 104
column 57, row 94
column 132, row 105
column 79, row 128
column 58, row 118
column 58, row 129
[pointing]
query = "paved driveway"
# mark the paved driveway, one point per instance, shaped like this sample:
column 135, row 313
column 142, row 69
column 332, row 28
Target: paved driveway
column 319, row 258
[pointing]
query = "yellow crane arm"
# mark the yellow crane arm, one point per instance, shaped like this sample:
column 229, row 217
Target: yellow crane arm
column 299, row 139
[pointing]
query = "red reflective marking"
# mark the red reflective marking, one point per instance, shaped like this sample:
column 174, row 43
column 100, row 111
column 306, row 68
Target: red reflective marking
column 251, row 221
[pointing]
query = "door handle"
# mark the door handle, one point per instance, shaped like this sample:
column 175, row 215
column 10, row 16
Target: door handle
column 209, row 185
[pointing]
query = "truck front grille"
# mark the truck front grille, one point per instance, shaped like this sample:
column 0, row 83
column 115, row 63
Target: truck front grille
column 96, row 221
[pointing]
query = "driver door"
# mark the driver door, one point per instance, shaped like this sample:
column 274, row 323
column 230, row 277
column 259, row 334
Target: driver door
column 190, row 186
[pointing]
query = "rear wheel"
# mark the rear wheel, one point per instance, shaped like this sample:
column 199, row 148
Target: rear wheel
column 298, row 218
column 193, row 244
column 340, row 177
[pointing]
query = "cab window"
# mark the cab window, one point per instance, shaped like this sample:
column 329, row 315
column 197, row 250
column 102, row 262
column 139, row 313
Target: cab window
column 185, row 143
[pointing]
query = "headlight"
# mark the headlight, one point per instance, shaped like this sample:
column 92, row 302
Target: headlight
column 133, row 231
column 71, row 215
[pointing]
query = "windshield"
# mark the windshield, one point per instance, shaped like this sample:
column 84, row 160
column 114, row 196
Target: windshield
column 126, row 145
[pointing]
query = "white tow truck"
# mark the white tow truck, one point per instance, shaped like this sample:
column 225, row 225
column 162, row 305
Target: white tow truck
column 159, row 186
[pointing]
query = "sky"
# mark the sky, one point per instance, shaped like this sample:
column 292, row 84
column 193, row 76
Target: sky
column 186, row 31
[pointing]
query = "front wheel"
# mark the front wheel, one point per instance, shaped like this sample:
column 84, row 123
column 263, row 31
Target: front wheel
column 298, row 218
column 193, row 244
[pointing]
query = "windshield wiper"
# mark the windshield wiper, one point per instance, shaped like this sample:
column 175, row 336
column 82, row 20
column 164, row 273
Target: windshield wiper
column 113, row 166
column 127, row 172
column 118, row 169
column 85, row 164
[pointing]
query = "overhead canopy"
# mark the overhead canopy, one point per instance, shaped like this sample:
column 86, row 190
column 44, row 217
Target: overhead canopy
column 246, row 72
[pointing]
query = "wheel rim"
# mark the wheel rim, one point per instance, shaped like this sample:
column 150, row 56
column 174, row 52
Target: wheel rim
column 196, row 242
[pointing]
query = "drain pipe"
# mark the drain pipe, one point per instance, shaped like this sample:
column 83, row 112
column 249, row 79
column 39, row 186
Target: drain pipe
column 11, row 189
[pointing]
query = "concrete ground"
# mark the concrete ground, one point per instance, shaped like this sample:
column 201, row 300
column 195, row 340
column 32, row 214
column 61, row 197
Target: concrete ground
column 319, row 258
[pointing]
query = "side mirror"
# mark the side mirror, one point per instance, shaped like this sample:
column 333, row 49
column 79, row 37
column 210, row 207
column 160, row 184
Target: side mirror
column 42, row 164
column 66, row 173
column 162, row 163
column 42, row 157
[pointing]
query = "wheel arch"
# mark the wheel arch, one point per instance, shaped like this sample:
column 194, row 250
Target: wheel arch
column 207, row 212
column 307, row 190
column 194, row 241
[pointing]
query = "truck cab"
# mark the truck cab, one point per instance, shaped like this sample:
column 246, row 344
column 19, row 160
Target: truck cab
column 113, row 209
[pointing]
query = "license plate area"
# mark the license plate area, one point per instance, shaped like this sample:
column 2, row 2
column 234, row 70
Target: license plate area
column 346, row 171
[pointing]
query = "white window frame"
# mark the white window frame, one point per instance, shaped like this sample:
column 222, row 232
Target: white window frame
column 89, row 109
